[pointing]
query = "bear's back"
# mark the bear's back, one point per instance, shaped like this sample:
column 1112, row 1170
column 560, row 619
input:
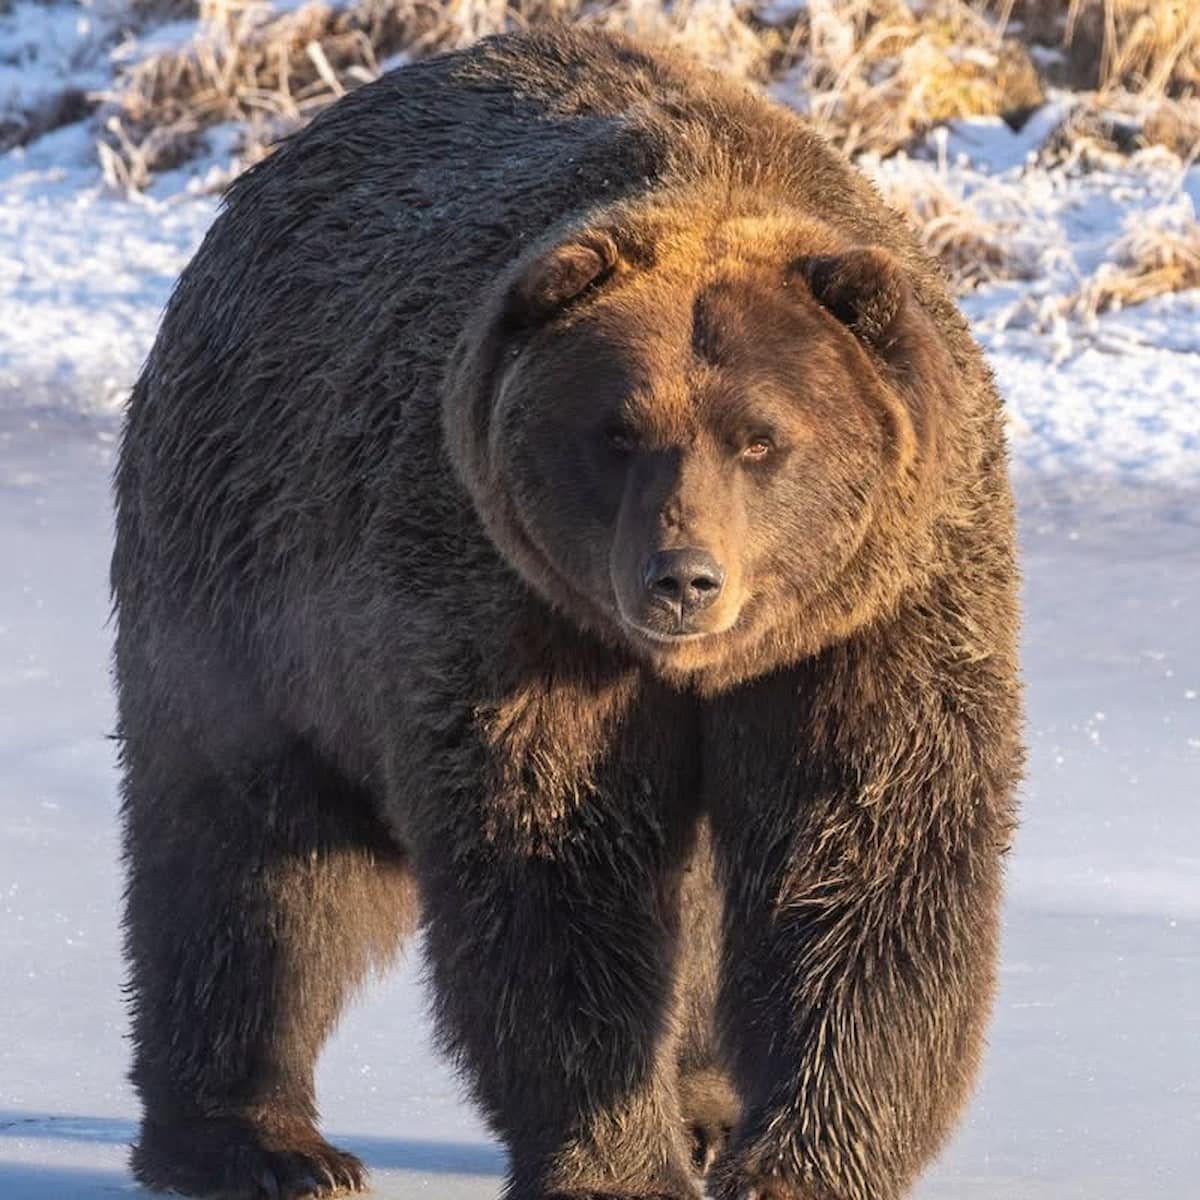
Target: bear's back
column 366, row 240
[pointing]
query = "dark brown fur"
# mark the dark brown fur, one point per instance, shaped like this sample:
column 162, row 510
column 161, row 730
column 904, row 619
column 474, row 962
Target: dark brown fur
column 449, row 370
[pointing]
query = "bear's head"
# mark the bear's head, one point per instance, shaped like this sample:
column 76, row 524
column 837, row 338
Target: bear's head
column 711, row 442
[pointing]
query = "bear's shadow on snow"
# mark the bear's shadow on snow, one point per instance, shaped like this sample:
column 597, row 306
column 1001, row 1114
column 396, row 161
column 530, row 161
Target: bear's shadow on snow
column 379, row 1153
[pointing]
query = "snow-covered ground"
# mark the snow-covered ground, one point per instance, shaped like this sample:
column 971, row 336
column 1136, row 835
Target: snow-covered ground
column 1092, row 1086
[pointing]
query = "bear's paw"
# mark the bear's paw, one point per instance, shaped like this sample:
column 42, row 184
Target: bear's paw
column 235, row 1159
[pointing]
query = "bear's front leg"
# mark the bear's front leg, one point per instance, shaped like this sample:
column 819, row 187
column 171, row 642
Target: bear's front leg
column 550, row 855
column 860, row 818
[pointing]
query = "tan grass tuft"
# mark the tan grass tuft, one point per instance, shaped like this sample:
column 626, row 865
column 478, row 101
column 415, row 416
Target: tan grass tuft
column 720, row 33
column 1159, row 253
column 1104, row 127
column 1147, row 46
column 246, row 59
column 881, row 72
column 251, row 63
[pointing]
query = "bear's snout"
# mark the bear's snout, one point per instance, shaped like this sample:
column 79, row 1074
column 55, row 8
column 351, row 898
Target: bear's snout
column 682, row 582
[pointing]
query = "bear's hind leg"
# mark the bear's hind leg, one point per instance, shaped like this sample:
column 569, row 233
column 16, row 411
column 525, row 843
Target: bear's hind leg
column 257, row 898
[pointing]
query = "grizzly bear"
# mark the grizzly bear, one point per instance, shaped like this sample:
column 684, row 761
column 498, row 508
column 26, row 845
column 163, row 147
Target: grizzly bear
column 564, row 509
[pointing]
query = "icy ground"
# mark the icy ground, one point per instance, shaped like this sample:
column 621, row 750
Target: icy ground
column 1092, row 1086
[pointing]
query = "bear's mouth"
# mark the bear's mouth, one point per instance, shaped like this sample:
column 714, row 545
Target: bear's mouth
column 684, row 645
column 662, row 637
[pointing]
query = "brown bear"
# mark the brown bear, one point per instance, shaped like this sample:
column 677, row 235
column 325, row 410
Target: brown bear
column 564, row 507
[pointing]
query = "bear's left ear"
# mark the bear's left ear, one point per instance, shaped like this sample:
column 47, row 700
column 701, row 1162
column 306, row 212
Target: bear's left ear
column 558, row 278
column 864, row 288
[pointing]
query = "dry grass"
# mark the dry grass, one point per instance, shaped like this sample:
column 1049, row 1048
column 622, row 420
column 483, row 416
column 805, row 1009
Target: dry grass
column 878, row 73
column 1159, row 253
column 1103, row 128
column 722, row 33
column 247, row 59
column 275, row 70
column 1145, row 46
column 1151, row 47
column 249, row 64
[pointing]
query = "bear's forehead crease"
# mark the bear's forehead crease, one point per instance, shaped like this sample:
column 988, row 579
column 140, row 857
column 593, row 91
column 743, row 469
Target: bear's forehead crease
column 737, row 319
column 726, row 323
column 707, row 335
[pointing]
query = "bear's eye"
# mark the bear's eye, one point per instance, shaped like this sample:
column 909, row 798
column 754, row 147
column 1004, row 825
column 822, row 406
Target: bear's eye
column 756, row 449
column 621, row 438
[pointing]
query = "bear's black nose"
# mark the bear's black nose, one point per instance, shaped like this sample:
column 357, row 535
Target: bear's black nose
column 683, row 580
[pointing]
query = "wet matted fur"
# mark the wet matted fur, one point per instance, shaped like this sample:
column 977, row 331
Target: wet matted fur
column 708, row 864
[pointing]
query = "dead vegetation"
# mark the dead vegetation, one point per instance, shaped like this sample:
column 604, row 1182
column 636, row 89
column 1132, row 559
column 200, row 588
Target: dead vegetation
column 250, row 64
column 1146, row 46
column 1157, row 254
column 878, row 73
column 270, row 71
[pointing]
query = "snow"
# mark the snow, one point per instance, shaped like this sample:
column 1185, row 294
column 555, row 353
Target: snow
column 992, row 142
column 84, row 275
column 45, row 46
column 1092, row 1083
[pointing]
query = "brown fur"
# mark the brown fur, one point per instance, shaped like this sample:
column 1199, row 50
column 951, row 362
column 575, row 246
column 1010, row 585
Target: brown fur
column 708, row 853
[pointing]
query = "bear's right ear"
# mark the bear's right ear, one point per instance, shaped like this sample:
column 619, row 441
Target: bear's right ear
column 558, row 278
column 864, row 288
